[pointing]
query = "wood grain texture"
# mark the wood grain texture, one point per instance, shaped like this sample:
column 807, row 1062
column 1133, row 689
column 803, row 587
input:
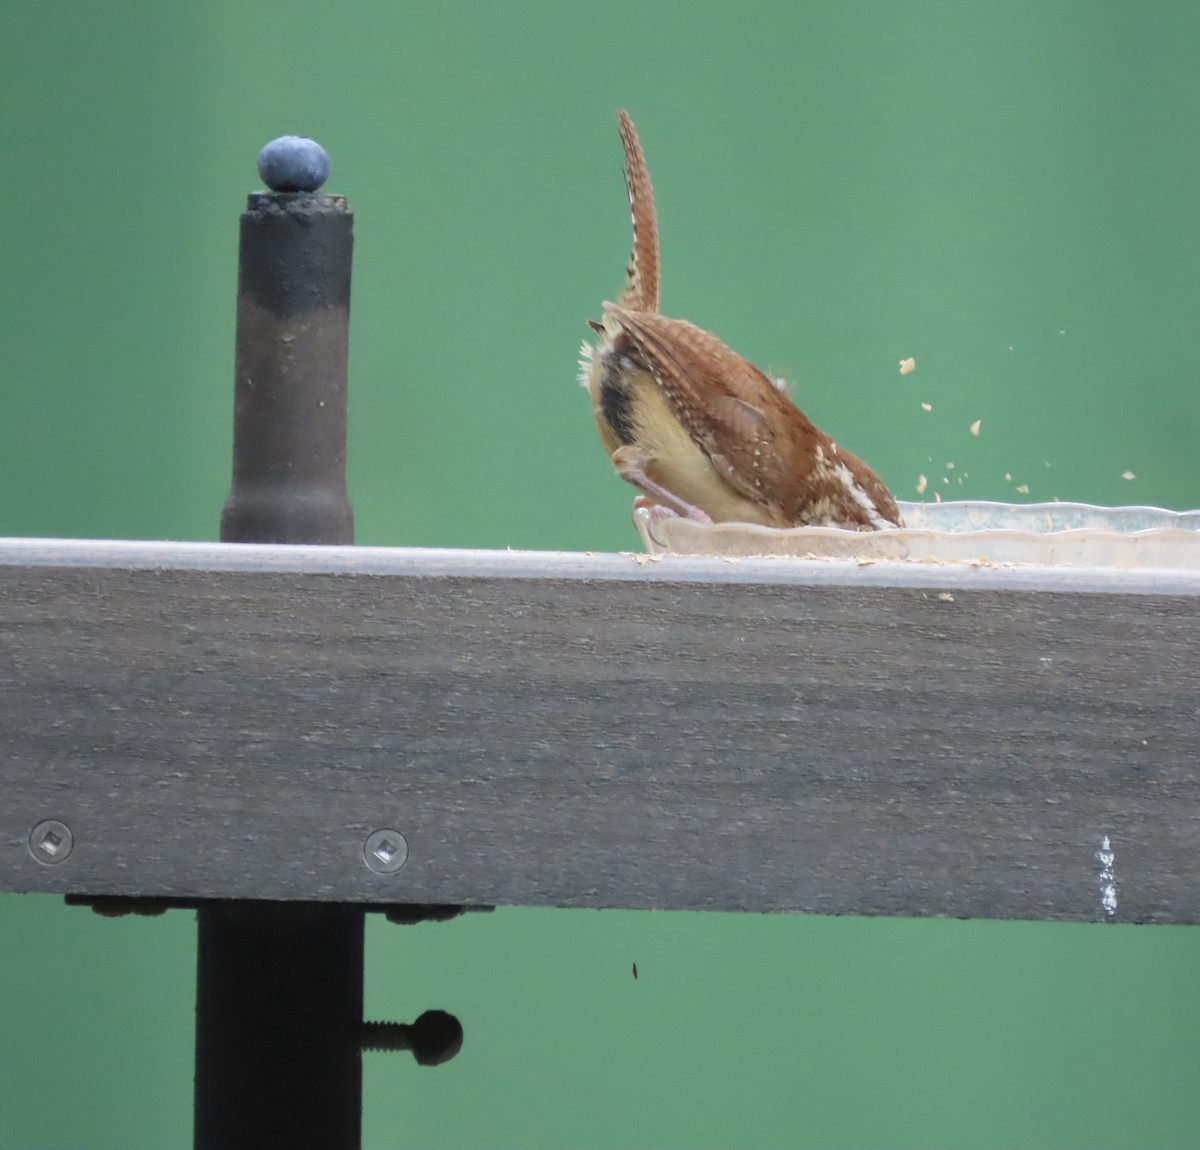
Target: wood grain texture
column 556, row 730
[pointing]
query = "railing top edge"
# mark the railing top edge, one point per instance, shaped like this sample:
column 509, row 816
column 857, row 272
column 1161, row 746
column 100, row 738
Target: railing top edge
column 583, row 566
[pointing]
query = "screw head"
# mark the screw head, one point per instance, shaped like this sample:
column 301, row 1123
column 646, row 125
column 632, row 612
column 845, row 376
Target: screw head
column 51, row 841
column 385, row 852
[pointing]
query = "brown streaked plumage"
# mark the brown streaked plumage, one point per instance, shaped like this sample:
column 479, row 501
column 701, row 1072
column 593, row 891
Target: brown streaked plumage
column 641, row 274
column 698, row 429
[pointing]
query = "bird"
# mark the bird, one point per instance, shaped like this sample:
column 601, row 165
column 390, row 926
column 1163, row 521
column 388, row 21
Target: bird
column 697, row 429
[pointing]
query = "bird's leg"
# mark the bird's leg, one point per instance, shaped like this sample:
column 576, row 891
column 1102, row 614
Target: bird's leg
column 631, row 466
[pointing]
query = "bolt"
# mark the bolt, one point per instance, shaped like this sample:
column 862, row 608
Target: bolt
column 434, row 1038
column 385, row 852
column 51, row 841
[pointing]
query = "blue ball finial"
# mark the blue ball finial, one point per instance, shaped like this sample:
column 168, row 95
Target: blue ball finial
column 293, row 164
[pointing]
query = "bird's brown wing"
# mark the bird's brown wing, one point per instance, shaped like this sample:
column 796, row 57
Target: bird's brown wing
column 753, row 435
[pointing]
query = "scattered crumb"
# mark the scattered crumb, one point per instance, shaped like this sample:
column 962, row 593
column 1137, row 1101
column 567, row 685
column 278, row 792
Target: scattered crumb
column 1046, row 462
column 1008, row 477
column 1023, row 489
column 642, row 560
column 945, row 597
column 938, row 496
column 1049, row 521
column 975, row 426
column 960, row 479
column 907, row 365
column 1062, row 331
column 945, row 478
column 1128, row 475
column 863, row 561
column 927, row 407
column 950, row 465
column 922, row 483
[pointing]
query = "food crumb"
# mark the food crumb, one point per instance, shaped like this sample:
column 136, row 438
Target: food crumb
column 908, row 365
column 945, row 597
column 922, row 483
column 1023, row 489
column 950, row 465
column 1128, row 475
column 975, row 426
column 927, row 407
column 1008, row 477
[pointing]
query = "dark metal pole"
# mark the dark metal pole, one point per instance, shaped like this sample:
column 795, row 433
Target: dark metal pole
column 279, row 996
column 279, row 986
column 289, row 418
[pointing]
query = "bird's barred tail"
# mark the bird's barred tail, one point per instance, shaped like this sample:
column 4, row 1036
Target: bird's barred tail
column 641, row 276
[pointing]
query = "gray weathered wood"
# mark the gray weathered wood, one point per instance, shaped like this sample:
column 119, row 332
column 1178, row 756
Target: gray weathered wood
column 572, row 730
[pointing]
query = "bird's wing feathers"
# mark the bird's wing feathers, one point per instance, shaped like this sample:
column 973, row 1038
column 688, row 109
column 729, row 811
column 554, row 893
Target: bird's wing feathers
column 727, row 404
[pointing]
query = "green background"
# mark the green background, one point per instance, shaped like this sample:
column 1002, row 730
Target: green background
column 1005, row 190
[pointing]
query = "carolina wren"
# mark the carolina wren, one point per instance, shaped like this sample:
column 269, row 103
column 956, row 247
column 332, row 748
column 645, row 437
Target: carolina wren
column 697, row 429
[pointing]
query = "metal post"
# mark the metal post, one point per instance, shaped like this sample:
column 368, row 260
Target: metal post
column 279, row 986
column 289, row 419
column 279, row 997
